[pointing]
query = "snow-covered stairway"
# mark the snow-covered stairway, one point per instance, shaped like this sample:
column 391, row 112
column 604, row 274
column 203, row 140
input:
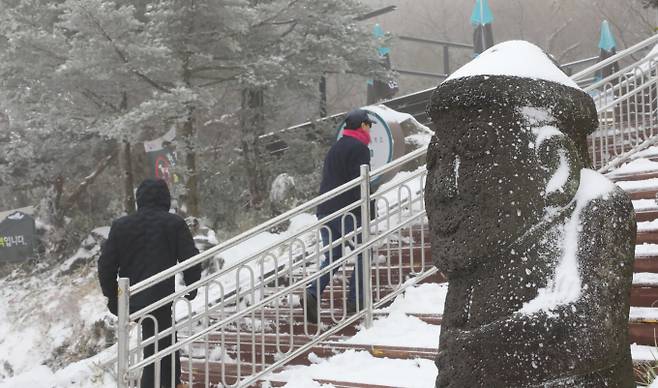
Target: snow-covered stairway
column 640, row 180
column 233, row 354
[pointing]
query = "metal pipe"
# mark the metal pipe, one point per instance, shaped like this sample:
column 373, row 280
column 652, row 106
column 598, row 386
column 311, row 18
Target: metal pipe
column 436, row 42
column 421, row 73
column 123, row 332
column 579, row 62
column 366, row 276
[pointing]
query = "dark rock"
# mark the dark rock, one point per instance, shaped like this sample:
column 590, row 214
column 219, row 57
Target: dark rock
column 539, row 271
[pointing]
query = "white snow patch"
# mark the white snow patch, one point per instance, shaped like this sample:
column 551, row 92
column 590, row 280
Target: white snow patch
column 82, row 374
column 636, row 166
column 455, row 167
column 544, row 133
column 561, row 175
column 565, row 286
column 426, row 298
column 103, row 231
column 281, row 187
column 362, row 367
column 647, row 184
column 646, row 250
column 535, row 116
column 645, row 279
column 388, row 113
column 514, row 58
column 396, row 329
column 641, row 313
column 16, row 216
column 418, row 139
column 647, row 153
column 647, row 226
column 645, row 204
column 644, row 353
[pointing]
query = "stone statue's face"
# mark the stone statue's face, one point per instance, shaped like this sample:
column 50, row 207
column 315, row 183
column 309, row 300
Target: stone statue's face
column 485, row 188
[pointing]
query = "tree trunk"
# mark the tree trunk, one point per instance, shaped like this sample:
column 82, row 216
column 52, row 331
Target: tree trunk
column 252, row 122
column 125, row 165
column 187, row 135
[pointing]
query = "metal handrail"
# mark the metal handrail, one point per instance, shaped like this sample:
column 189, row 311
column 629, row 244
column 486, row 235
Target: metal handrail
column 627, row 110
column 612, row 77
column 579, row 62
column 619, row 56
column 201, row 257
column 623, row 158
column 407, row 198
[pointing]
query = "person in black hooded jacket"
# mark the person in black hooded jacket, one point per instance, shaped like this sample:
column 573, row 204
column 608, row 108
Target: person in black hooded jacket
column 139, row 246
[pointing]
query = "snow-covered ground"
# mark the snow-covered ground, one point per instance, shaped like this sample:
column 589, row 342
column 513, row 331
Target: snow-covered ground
column 61, row 311
column 50, row 319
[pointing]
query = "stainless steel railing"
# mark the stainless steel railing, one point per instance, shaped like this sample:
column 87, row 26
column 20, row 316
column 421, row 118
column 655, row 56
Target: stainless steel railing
column 626, row 104
column 257, row 300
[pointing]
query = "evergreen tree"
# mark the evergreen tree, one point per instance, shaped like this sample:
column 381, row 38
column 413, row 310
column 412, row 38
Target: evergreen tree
column 90, row 76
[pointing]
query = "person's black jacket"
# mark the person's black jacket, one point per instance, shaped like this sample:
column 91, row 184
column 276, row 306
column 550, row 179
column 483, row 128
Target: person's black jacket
column 341, row 165
column 146, row 243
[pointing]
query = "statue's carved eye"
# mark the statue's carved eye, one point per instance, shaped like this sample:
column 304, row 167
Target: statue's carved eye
column 475, row 142
column 439, row 150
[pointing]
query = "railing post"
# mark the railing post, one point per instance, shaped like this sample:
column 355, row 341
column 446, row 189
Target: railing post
column 446, row 60
column 123, row 332
column 365, row 236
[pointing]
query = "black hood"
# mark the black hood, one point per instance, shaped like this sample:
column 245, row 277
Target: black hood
column 153, row 193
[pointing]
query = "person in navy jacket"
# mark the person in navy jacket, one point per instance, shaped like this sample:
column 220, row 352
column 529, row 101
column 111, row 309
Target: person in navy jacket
column 341, row 165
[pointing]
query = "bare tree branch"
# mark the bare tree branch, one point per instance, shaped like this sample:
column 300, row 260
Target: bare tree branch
column 89, row 179
column 556, row 33
column 561, row 57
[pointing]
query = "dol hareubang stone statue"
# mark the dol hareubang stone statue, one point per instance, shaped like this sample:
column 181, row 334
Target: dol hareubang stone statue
column 538, row 249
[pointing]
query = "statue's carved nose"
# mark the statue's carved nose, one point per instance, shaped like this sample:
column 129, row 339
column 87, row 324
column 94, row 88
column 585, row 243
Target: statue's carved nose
column 449, row 225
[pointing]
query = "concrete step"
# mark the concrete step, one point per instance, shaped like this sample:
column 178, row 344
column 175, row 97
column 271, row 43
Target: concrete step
column 636, row 176
column 643, row 193
column 336, row 384
column 645, row 264
column 642, row 325
column 646, row 215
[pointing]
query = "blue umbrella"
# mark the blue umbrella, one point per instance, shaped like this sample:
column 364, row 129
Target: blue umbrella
column 381, row 89
column 608, row 48
column 481, row 19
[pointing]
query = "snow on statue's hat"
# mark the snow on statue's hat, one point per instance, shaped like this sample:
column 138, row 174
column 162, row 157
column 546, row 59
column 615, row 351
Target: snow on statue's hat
column 515, row 58
column 354, row 119
column 517, row 74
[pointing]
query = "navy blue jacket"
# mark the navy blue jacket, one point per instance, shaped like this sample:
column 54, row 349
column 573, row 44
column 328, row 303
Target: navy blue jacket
column 146, row 243
column 341, row 165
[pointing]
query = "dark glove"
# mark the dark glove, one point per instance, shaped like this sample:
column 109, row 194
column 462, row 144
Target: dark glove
column 191, row 295
column 113, row 306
